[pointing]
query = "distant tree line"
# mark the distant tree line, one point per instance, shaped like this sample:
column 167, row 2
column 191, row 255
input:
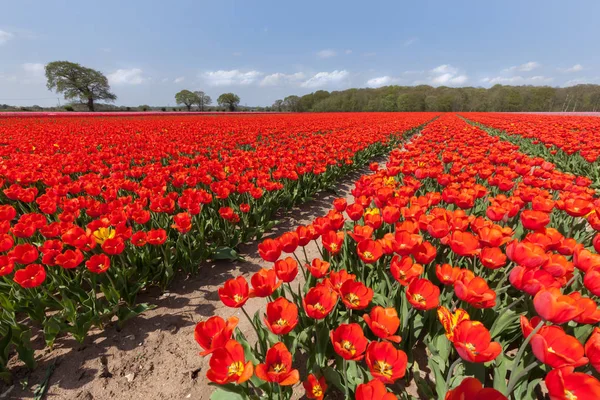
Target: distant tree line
column 428, row 98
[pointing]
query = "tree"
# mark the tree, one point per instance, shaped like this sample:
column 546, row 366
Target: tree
column 229, row 100
column 278, row 105
column 187, row 98
column 78, row 82
column 292, row 103
column 203, row 99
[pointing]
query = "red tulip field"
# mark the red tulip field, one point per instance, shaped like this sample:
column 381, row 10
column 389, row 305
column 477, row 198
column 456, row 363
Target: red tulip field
column 463, row 263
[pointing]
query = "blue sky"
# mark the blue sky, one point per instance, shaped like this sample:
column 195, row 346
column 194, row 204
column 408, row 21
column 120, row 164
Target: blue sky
column 265, row 50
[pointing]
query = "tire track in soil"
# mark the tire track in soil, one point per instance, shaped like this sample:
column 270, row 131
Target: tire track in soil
column 155, row 356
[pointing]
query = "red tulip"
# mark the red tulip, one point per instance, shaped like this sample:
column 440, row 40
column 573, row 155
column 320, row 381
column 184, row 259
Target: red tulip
column 383, row 322
column 235, row 292
column 278, row 367
column 404, row 270
column 286, row 269
column 319, row 301
column 228, row 365
column 214, row 333
column 475, row 292
column 564, row 384
column 315, row 388
column 98, row 263
column 474, row 344
column 269, row 250
column 369, row 251
column 281, row 317
column 264, row 283
column 534, row 220
column 555, row 307
column 31, row 276
column 349, row 341
column 592, row 349
column 318, row 268
column 554, row 347
column 422, row 294
column 373, row 390
column 385, row 362
column 472, row 389
column 355, row 295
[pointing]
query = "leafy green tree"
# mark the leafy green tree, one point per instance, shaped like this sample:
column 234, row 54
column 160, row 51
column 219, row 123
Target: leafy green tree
column 229, row 100
column 278, row 105
column 75, row 81
column 186, row 98
column 292, row 103
column 203, row 99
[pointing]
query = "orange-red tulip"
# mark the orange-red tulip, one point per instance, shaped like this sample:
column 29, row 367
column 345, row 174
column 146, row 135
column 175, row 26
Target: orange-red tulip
column 554, row 347
column 278, row 367
column 228, row 364
column 369, row 251
column 269, row 250
column 475, row 292
column 318, row 268
column 404, row 270
column 319, row 301
column 564, row 384
column 214, row 333
column 235, row 292
column 384, row 322
column 315, row 388
column 286, row 269
column 422, row 294
column 264, row 283
column 472, row 389
column 592, row 349
column 473, row 342
column 553, row 306
column 349, row 341
column 281, row 317
column 355, row 295
column 385, row 362
column 373, row 390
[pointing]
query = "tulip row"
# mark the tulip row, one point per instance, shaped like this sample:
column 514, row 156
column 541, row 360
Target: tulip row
column 569, row 142
column 463, row 249
column 94, row 210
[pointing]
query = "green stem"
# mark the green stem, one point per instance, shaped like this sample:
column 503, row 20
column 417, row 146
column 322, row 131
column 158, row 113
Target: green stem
column 519, row 376
column 513, row 377
column 451, row 370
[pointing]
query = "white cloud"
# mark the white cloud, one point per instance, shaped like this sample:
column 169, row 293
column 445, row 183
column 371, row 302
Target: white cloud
column 348, row 51
column 106, row 49
column 326, row 78
column 179, row 79
column 237, row 54
column 279, row 78
column 34, row 69
column 132, row 76
column 449, row 79
column 230, row 78
column 410, row 41
column 517, row 80
column 445, row 75
column 5, row 37
column 327, row 53
column 527, row 67
column 574, row 68
column 444, row 69
column 381, row 81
